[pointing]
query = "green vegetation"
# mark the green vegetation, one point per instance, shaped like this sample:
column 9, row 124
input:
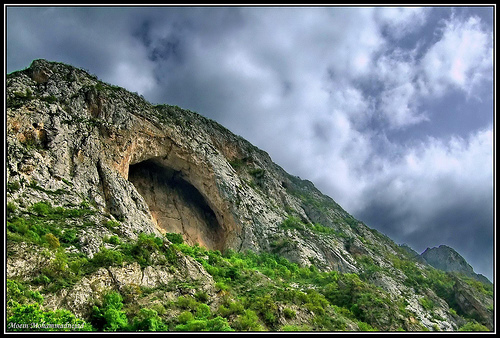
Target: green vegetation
column 45, row 225
column 255, row 287
column 25, row 312
column 473, row 326
column 292, row 222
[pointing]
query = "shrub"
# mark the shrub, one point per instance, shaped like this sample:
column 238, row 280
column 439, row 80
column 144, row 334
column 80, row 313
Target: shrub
column 144, row 248
column 292, row 223
column 110, row 316
column 249, row 321
column 26, row 318
column 11, row 208
column 289, row 313
column 257, row 173
column 18, row 293
column 52, row 240
column 201, row 296
column 187, row 303
column 231, row 309
column 221, row 286
column 185, row 317
column 174, row 238
column 426, row 303
column 473, row 326
column 295, row 328
column 148, row 320
column 218, row 324
column 111, row 225
column 13, row 186
column 69, row 237
column 115, row 240
column 78, row 265
column 41, row 208
column 170, row 254
column 203, row 311
column 107, row 257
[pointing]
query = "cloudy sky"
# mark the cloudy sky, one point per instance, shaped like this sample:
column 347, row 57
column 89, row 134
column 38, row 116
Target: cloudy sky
column 387, row 110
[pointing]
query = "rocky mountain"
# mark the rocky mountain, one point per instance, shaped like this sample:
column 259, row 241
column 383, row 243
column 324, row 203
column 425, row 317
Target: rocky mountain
column 447, row 259
column 123, row 215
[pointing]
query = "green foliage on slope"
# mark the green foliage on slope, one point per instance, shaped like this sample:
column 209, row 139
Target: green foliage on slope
column 254, row 291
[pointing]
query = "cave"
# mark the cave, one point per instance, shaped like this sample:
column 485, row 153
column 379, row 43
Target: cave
column 176, row 205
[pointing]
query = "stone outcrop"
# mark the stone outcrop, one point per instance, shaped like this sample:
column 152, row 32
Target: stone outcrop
column 473, row 303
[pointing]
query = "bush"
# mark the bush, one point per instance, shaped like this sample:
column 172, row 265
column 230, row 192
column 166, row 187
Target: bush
column 218, row 324
column 115, row 240
column 107, row 257
column 42, row 208
column 203, row 311
column 111, row 225
column 249, row 321
column 292, row 223
column 289, row 313
column 11, row 208
column 201, row 296
column 148, row 320
column 185, row 317
column 174, row 238
column 31, row 317
column 221, row 286
column 110, row 316
column 52, row 240
column 426, row 303
column 18, row 293
column 187, row 303
column 473, row 326
column 13, row 186
column 233, row 308
column 143, row 249
column 69, row 237
column 295, row 328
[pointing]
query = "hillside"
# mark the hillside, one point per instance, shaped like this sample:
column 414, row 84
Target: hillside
column 123, row 215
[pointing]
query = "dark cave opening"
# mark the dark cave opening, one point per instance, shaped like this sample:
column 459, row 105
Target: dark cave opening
column 176, row 205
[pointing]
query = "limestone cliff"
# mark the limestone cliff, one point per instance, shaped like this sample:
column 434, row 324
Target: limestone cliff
column 95, row 162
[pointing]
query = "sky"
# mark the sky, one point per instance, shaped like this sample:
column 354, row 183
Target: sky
column 388, row 110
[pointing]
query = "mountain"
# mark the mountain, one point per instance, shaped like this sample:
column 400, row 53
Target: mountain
column 447, row 259
column 123, row 215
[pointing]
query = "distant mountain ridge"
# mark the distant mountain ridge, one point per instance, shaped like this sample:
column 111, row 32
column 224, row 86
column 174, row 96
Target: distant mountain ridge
column 447, row 259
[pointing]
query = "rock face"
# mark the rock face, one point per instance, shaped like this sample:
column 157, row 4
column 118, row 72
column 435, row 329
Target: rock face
column 473, row 303
column 128, row 167
column 159, row 168
column 447, row 259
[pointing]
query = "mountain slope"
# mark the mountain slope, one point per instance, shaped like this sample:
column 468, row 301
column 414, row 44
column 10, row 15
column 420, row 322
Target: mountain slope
column 107, row 192
column 447, row 259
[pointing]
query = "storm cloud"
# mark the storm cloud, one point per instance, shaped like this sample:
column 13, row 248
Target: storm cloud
column 387, row 110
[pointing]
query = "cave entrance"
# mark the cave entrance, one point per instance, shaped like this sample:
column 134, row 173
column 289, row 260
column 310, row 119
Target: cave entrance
column 176, row 205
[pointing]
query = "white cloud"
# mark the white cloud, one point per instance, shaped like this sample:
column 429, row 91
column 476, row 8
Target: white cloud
column 435, row 175
column 461, row 58
column 401, row 20
column 398, row 106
